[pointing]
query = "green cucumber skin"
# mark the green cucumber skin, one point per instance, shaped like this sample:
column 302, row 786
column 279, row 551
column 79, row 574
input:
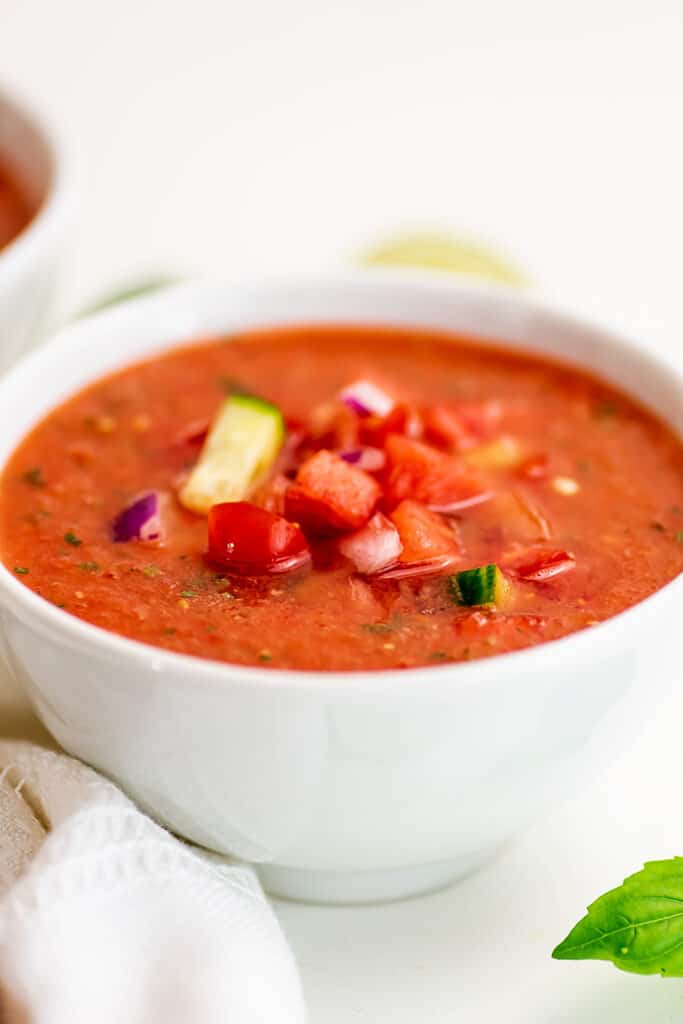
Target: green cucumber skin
column 260, row 404
column 475, row 586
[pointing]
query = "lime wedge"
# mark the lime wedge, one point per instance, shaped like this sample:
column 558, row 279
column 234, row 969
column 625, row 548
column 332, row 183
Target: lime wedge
column 131, row 290
column 444, row 252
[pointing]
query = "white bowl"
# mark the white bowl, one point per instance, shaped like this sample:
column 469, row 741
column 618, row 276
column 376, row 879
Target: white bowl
column 30, row 264
column 342, row 786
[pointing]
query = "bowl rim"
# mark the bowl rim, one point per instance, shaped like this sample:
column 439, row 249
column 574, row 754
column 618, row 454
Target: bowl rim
column 57, row 200
column 578, row 648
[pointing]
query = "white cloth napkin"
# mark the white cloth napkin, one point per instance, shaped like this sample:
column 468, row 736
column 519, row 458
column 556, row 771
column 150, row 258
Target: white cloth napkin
column 106, row 918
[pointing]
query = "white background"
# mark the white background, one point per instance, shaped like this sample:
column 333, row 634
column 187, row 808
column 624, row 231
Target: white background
column 222, row 136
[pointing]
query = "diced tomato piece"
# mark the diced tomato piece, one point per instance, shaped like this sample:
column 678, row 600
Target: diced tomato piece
column 250, row 541
column 423, row 533
column 544, row 566
column 331, row 495
column 537, row 467
column 374, row 547
column 403, row 419
column 417, row 471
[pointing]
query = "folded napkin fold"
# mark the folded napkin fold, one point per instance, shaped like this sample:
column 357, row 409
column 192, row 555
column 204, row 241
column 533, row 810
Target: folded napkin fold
column 105, row 917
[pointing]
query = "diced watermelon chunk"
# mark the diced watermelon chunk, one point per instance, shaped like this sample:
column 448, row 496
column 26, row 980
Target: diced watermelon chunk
column 423, row 533
column 403, row 419
column 461, row 425
column 446, row 428
column 333, row 425
column 417, row 471
column 330, row 495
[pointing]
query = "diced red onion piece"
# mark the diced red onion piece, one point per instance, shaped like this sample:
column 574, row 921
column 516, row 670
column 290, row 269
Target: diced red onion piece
column 141, row 520
column 366, row 399
column 425, row 567
column 374, row 547
column 288, row 458
column 368, row 458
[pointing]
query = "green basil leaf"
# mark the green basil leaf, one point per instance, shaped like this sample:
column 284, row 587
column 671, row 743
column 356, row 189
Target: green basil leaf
column 638, row 926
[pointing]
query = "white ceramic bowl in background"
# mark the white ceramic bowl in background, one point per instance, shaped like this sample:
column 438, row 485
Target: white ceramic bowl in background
column 341, row 786
column 31, row 263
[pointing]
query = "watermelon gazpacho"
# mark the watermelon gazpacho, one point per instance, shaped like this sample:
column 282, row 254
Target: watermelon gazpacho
column 345, row 498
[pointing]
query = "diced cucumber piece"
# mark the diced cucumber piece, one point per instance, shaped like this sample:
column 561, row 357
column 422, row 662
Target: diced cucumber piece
column 241, row 446
column 485, row 585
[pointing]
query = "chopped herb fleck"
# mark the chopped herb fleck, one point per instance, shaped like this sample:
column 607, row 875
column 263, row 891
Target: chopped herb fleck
column 265, row 655
column 677, row 510
column 188, row 593
column 583, row 466
column 89, row 566
column 21, row 570
column 439, row 656
column 679, row 536
column 606, row 409
column 168, row 631
column 34, row 477
column 71, row 538
column 151, row 570
column 383, row 627
column 35, row 517
column 212, row 629
column 230, row 386
column 659, row 527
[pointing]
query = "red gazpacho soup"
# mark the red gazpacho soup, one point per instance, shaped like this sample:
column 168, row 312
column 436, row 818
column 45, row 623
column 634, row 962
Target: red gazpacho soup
column 16, row 209
column 345, row 498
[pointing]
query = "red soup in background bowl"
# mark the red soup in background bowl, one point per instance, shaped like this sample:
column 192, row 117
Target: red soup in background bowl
column 35, row 210
column 343, row 495
column 16, row 205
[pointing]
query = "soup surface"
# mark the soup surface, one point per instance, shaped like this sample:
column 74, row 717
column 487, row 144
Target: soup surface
column 456, row 501
column 15, row 208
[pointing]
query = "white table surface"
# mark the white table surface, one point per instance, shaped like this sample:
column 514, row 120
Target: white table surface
column 223, row 136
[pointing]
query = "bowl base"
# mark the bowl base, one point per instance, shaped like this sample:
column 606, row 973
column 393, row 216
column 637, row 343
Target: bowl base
column 379, row 886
